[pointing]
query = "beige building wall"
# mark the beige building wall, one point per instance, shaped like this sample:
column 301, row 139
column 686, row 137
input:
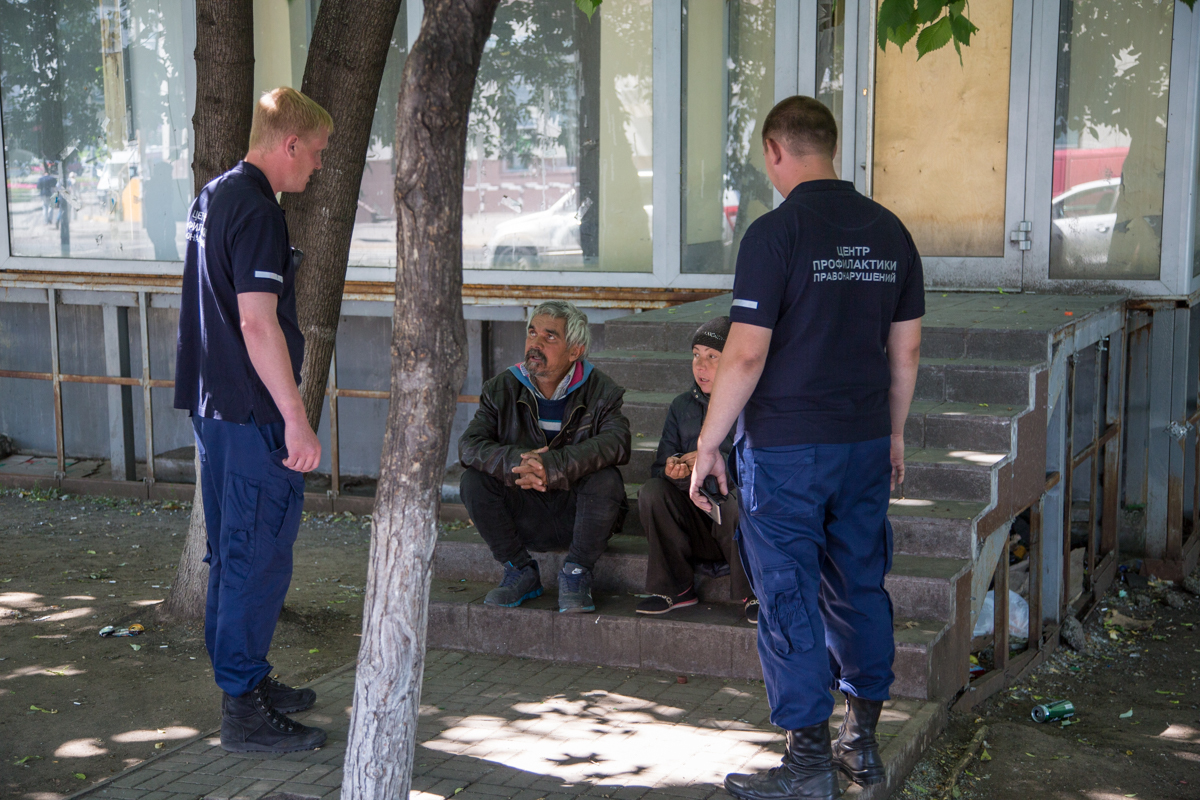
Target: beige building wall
column 626, row 105
column 941, row 138
column 704, row 124
column 273, row 45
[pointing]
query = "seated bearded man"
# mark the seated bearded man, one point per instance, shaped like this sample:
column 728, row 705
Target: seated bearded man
column 541, row 459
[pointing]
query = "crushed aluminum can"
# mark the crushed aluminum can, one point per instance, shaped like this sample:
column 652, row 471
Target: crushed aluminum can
column 1048, row 712
column 135, row 629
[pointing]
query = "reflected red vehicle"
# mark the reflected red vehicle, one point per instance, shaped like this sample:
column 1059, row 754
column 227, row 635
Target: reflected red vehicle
column 1073, row 166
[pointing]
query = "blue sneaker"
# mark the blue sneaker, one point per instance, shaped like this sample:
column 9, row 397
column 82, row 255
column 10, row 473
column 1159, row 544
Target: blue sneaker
column 517, row 586
column 575, row 589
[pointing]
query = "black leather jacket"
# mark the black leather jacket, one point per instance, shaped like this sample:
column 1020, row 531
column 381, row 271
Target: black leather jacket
column 594, row 435
column 681, row 432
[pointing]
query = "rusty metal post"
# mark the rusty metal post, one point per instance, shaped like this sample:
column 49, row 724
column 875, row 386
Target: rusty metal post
column 1094, row 472
column 335, row 474
column 1068, row 480
column 56, row 379
column 147, row 406
column 1114, row 411
column 1035, row 574
column 1000, row 611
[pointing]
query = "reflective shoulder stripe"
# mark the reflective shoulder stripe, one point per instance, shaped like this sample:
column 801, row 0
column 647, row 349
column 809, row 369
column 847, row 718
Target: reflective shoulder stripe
column 258, row 273
column 745, row 303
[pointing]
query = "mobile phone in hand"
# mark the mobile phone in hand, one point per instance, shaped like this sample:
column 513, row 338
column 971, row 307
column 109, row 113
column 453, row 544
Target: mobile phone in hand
column 711, row 490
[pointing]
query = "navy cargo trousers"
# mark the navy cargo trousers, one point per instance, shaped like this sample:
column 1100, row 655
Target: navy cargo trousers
column 817, row 544
column 252, row 509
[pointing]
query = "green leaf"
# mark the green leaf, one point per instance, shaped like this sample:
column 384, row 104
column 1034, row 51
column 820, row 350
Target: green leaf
column 934, row 37
column 956, row 9
column 1127, row 714
column 897, row 22
column 81, row 776
column 1190, row 4
column 588, row 7
column 929, row 10
column 963, row 29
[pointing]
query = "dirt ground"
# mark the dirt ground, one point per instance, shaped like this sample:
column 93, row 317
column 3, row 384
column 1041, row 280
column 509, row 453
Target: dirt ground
column 1136, row 729
column 76, row 708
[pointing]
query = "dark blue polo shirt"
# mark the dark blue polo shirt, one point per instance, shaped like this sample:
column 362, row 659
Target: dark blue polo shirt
column 828, row 271
column 237, row 242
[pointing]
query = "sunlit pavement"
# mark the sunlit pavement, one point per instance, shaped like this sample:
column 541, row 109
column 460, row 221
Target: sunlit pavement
column 530, row 730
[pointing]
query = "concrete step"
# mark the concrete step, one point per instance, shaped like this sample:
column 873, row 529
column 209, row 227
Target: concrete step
column 667, row 329
column 646, row 370
column 641, row 459
column 647, row 411
column 1003, row 383
column 943, row 474
column 970, row 426
column 1001, row 342
column 921, row 587
column 966, row 426
column 939, row 528
column 707, row 639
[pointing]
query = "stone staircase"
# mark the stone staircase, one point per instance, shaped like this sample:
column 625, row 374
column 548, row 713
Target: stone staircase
column 976, row 456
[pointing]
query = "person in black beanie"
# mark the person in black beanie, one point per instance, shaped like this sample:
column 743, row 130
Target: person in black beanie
column 682, row 536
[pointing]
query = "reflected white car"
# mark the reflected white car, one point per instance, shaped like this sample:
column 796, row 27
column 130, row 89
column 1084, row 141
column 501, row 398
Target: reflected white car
column 1082, row 220
column 540, row 240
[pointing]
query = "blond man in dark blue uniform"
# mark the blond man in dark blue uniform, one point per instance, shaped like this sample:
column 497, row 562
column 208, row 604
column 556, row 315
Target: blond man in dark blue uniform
column 237, row 373
column 818, row 372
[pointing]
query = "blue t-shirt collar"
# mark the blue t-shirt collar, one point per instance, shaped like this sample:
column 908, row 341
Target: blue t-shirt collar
column 257, row 175
column 583, row 369
column 821, row 186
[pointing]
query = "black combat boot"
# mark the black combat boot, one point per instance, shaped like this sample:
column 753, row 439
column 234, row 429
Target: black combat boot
column 287, row 700
column 855, row 752
column 807, row 771
column 251, row 724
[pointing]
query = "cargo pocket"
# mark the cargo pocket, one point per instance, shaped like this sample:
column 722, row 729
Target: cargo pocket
column 787, row 625
column 287, row 505
column 777, row 480
column 237, row 530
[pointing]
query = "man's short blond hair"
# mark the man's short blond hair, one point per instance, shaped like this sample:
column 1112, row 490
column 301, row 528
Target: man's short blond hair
column 282, row 112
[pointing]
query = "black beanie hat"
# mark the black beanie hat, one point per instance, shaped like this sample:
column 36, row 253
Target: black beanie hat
column 712, row 333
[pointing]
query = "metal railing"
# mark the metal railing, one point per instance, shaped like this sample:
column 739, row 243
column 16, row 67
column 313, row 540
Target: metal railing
column 57, row 377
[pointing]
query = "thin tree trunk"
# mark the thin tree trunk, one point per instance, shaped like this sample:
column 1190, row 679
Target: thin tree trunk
column 428, row 368
column 224, row 108
column 345, row 65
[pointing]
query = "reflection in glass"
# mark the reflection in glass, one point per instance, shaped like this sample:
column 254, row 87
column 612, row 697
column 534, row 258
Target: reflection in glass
column 373, row 242
column 95, row 128
column 1110, row 138
column 559, row 172
column 831, row 52
column 724, row 185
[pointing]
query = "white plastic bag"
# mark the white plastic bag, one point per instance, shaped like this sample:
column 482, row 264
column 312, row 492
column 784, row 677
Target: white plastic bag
column 1018, row 616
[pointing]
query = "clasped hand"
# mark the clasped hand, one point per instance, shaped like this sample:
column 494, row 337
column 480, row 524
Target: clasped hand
column 679, row 468
column 531, row 470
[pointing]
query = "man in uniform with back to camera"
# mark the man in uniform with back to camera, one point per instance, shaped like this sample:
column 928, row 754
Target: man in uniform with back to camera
column 237, row 374
column 681, row 536
column 541, row 457
column 818, row 372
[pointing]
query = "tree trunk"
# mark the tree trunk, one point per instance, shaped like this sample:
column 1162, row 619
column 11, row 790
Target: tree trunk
column 428, row 368
column 345, row 64
column 224, row 86
column 224, row 108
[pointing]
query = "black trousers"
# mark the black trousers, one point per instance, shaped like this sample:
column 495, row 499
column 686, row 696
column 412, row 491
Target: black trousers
column 514, row 521
column 681, row 536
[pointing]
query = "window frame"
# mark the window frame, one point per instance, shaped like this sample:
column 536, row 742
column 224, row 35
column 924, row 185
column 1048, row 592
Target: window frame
column 1180, row 163
column 102, row 267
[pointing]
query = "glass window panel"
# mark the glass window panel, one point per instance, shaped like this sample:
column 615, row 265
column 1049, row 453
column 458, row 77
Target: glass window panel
column 558, row 172
column 96, row 135
column 831, row 57
column 941, row 138
column 1110, row 138
column 724, row 100
column 373, row 242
